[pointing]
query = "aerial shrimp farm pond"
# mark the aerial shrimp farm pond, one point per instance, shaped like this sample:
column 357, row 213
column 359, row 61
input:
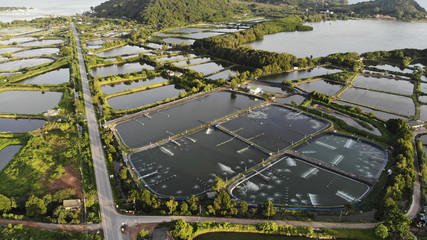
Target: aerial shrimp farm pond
column 173, row 162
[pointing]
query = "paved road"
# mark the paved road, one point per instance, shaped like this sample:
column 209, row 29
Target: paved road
column 110, row 224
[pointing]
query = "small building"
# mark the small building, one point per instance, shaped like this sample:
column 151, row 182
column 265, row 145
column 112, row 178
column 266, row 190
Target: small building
column 255, row 90
column 72, row 204
column 172, row 73
column 415, row 124
column 51, row 112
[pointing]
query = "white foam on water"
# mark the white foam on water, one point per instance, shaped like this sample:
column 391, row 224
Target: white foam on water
column 309, row 173
column 308, row 152
column 250, row 186
column 257, row 115
column 225, row 168
column 369, row 152
column 325, row 145
column 315, row 124
column 338, row 159
column 345, row 196
column 349, row 143
column 314, row 199
column 291, row 162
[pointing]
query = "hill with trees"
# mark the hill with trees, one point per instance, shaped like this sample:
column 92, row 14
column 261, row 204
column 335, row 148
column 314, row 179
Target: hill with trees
column 166, row 13
column 305, row 3
column 400, row 9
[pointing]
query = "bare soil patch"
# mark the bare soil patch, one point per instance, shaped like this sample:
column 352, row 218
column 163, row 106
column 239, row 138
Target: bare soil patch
column 70, row 179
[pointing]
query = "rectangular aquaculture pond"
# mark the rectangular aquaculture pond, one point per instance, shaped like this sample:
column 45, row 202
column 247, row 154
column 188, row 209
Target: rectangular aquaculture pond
column 58, row 76
column 119, row 69
column 289, row 76
column 274, row 127
column 226, row 74
column 20, row 124
column 122, row 51
column 123, row 86
column 178, row 41
column 23, row 63
column 189, row 165
column 7, row 153
column 350, row 154
column 163, row 123
column 322, row 86
column 138, row 99
column 385, row 84
column 389, row 102
column 379, row 114
column 292, row 182
column 206, row 68
column 28, row 102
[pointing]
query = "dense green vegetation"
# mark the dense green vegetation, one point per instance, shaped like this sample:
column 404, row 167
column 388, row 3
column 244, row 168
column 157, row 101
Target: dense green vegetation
column 166, row 13
column 184, row 230
column 12, row 232
column 400, row 183
column 304, row 3
column 400, row 9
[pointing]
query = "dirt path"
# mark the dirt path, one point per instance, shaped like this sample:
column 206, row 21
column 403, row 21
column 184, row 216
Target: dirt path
column 52, row 226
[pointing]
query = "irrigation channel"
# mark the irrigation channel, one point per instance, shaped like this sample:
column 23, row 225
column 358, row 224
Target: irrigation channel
column 178, row 150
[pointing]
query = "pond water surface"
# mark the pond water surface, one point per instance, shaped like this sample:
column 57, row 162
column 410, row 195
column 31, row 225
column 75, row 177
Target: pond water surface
column 206, row 68
column 119, row 69
column 202, row 35
column 274, row 127
column 122, row 51
column 138, row 99
column 17, row 40
column 179, row 118
column 322, row 86
column 58, row 76
column 349, row 154
column 385, row 84
column 289, row 76
column 9, row 50
column 44, row 42
column 123, row 86
column 189, row 165
column 293, row 182
column 36, row 52
column 28, row 102
column 7, row 153
column 384, row 101
column 24, row 63
column 382, row 115
column 226, row 74
column 20, row 124
column 178, row 41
